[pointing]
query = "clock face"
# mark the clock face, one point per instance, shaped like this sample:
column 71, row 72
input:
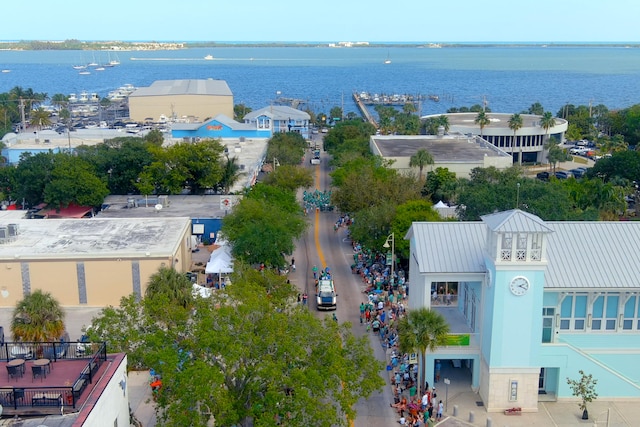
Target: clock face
column 519, row 285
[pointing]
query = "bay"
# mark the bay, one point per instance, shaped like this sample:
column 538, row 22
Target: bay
column 510, row 79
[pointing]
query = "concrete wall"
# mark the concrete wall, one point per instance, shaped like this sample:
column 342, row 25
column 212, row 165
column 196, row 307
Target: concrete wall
column 112, row 407
column 199, row 106
column 87, row 282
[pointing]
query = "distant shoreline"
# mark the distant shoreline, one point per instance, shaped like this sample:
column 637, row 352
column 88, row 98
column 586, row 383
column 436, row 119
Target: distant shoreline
column 139, row 45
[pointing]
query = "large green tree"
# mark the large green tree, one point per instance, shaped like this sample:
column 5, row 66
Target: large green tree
column 290, row 177
column 73, row 181
column 440, row 185
column 38, row 317
column 288, row 148
column 547, row 121
column 247, row 356
column 261, row 230
column 406, row 214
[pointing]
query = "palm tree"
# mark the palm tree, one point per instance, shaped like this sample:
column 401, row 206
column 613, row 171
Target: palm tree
column 444, row 122
column 38, row 317
column 547, row 122
column 230, row 173
column 40, row 118
column 171, row 284
column 420, row 331
column 515, row 123
column 420, row 160
column 482, row 119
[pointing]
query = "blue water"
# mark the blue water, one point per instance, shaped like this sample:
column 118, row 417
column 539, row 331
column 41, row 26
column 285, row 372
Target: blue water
column 509, row 78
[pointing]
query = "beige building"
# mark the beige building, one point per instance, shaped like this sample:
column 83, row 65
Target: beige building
column 181, row 100
column 88, row 262
column 459, row 153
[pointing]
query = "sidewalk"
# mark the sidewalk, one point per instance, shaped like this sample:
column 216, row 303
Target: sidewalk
column 140, row 400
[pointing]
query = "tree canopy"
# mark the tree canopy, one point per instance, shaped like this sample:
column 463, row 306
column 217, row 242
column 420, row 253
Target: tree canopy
column 38, row 317
column 246, row 356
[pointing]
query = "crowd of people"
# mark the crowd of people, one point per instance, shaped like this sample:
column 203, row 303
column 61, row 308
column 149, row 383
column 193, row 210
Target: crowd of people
column 385, row 304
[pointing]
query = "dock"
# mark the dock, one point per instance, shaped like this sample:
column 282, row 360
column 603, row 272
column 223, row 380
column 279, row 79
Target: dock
column 364, row 110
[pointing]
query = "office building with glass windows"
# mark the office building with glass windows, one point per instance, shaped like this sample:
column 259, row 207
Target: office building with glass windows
column 531, row 302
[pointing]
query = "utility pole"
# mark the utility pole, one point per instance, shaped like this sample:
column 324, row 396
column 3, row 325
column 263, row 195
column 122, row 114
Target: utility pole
column 23, row 122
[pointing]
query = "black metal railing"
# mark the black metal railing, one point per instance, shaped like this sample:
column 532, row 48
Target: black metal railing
column 43, row 397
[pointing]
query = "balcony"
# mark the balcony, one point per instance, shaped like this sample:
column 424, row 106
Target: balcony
column 39, row 379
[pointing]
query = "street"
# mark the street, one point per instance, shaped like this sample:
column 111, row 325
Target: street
column 324, row 247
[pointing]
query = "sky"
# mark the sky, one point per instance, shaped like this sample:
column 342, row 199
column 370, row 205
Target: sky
column 327, row 20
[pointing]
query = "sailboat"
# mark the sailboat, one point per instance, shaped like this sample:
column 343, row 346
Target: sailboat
column 93, row 62
column 114, row 61
column 387, row 61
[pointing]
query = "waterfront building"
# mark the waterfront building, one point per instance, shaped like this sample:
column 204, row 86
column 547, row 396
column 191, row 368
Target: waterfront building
column 181, row 100
column 531, row 303
column 528, row 140
column 457, row 152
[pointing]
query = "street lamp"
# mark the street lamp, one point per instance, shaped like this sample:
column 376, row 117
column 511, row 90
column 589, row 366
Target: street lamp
column 392, row 238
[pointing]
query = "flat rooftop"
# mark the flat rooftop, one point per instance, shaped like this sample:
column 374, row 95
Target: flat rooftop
column 448, row 148
column 498, row 120
column 196, row 206
column 93, row 237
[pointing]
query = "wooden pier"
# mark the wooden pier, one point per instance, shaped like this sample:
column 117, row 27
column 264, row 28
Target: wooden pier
column 364, row 110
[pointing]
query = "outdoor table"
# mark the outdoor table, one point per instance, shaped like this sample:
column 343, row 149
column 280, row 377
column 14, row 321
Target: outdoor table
column 16, row 363
column 46, row 363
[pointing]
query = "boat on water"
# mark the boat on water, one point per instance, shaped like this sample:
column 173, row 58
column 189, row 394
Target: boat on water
column 84, row 96
column 208, row 57
column 73, row 97
column 84, row 73
column 114, row 61
column 79, row 67
column 93, row 62
column 6, row 71
column 388, row 60
column 100, row 68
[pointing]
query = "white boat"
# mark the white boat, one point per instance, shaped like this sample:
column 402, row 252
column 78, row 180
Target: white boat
column 73, row 97
column 93, row 62
column 84, row 73
column 94, row 97
column 101, row 68
column 84, row 96
column 208, row 57
column 6, row 71
column 79, row 67
column 115, row 61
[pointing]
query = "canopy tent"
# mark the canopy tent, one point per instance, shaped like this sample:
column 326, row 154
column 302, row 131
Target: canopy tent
column 221, row 261
column 441, row 204
column 201, row 291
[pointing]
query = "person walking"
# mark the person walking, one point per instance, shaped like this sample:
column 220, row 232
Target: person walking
column 315, row 271
column 293, row 264
column 440, row 410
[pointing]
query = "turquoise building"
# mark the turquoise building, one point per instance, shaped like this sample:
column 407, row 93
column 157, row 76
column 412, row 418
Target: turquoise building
column 530, row 303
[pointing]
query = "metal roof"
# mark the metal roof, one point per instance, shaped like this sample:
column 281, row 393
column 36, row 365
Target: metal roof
column 449, row 247
column 515, row 221
column 278, row 112
column 184, row 87
column 580, row 255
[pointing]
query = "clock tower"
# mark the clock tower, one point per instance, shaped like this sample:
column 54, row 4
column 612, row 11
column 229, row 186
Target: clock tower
column 515, row 260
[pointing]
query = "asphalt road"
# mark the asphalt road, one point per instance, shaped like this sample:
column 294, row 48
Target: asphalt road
column 324, row 247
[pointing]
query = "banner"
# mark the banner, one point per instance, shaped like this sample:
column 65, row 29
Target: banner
column 459, row 339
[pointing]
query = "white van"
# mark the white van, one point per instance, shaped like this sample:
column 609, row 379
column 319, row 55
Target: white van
column 326, row 295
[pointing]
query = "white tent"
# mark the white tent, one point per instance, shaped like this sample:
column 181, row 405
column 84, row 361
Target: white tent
column 201, row 291
column 220, row 262
column 440, row 205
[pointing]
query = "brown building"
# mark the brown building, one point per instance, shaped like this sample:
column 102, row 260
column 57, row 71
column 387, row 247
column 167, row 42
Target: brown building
column 181, row 100
column 88, row 262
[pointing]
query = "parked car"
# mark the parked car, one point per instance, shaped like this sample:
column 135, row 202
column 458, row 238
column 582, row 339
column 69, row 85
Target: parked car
column 577, row 173
column 563, row 175
column 543, row 176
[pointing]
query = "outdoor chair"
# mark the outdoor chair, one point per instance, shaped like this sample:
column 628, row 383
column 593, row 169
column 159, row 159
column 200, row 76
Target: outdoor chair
column 14, row 372
column 40, row 371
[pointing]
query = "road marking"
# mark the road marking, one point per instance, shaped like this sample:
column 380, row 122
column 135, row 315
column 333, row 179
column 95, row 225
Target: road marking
column 316, row 231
